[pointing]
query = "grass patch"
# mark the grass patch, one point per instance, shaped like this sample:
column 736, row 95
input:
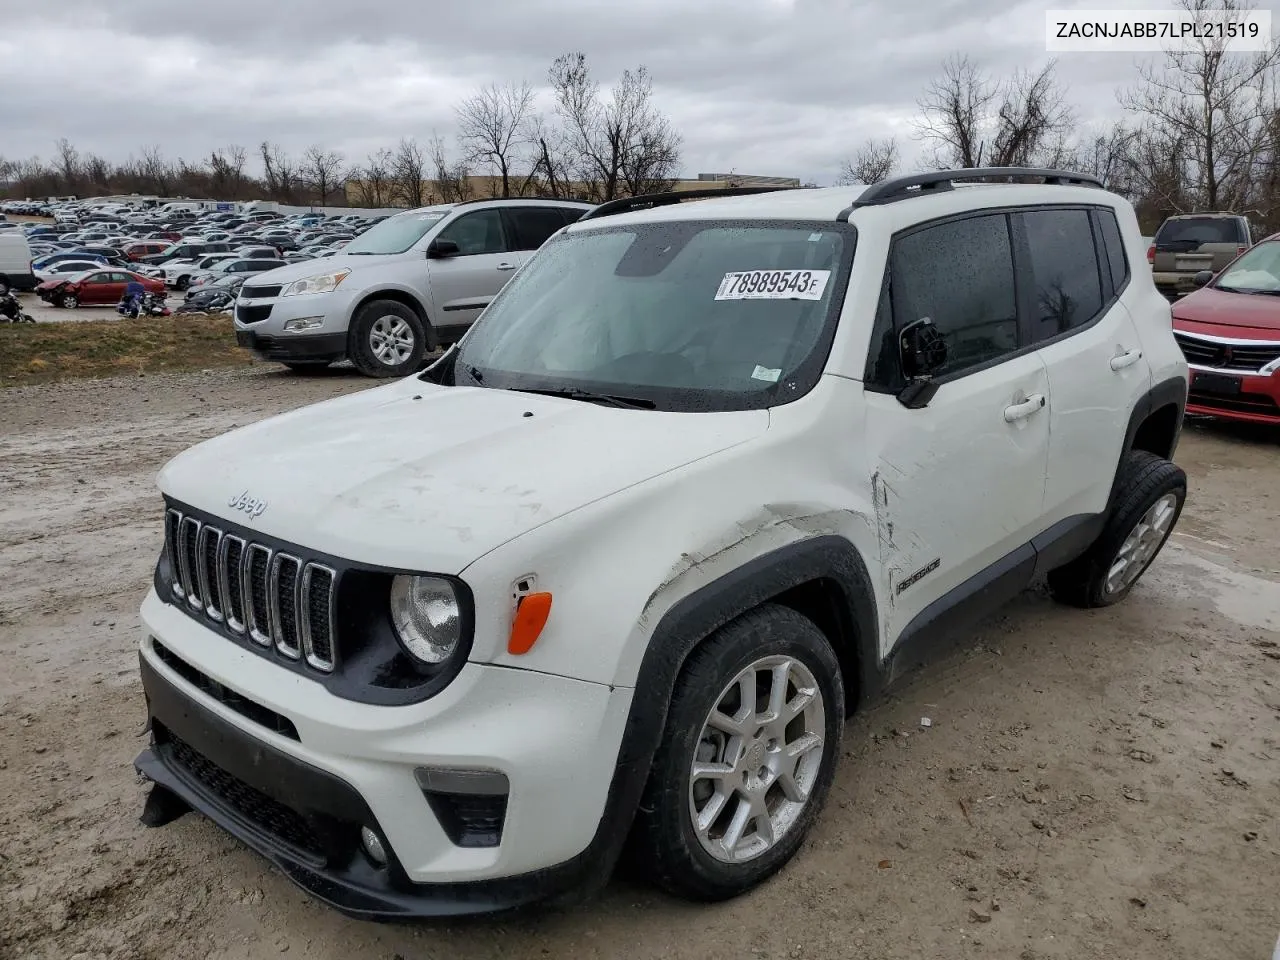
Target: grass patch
column 40, row 352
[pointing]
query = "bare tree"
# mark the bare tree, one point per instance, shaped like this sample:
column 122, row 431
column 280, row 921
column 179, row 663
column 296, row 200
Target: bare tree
column 622, row 142
column 409, row 169
column 553, row 159
column 156, row 171
column 68, row 164
column 323, row 170
column 492, row 127
column 372, row 182
column 971, row 120
column 226, row 169
column 280, row 172
column 874, row 161
column 452, row 178
column 96, row 171
column 1217, row 107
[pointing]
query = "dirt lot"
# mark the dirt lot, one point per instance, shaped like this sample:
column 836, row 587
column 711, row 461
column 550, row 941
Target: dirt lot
column 1093, row 785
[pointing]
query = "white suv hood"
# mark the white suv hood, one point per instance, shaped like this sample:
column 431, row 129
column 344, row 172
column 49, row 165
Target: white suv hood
column 430, row 478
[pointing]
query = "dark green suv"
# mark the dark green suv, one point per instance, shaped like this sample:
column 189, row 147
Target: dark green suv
column 1185, row 245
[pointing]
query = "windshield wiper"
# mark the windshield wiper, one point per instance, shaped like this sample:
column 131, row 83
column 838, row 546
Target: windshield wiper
column 612, row 400
column 1249, row 290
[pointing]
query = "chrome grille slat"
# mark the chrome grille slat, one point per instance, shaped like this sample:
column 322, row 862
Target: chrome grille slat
column 188, row 560
column 208, row 549
column 282, row 592
column 1222, row 354
column 172, row 524
column 230, row 562
column 255, row 577
column 316, row 600
column 281, row 601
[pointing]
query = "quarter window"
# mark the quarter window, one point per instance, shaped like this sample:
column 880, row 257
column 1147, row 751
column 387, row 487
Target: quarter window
column 1066, row 287
column 960, row 275
column 1116, row 261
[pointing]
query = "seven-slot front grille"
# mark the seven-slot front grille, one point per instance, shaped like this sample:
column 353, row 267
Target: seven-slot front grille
column 1246, row 357
column 277, row 599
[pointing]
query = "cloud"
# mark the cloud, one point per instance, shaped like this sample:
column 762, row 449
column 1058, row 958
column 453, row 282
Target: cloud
column 780, row 87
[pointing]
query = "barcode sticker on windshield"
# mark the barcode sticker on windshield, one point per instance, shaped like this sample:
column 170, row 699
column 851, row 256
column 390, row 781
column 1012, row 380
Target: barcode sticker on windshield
column 773, row 285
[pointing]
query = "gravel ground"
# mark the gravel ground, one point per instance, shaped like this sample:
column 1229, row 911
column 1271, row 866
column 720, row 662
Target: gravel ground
column 46, row 313
column 1094, row 784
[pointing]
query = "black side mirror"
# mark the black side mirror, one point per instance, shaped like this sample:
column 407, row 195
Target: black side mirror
column 1202, row 278
column 922, row 352
column 440, row 248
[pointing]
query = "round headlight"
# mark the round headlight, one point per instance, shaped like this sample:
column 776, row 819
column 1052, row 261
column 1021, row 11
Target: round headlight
column 427, row 617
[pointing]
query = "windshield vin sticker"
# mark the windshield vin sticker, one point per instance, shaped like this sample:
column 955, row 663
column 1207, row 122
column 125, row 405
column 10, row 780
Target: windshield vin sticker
column 773, row 285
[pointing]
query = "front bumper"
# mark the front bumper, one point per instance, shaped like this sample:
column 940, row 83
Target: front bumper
column 1256, row 401
column 319, row 347
column 298, row 781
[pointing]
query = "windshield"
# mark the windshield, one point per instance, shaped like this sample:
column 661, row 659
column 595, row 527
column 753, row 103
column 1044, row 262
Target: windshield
column 396, row 234
column 691, row 315
column 1258, row 271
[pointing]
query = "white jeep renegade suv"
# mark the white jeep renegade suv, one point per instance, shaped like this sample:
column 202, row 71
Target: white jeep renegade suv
column 701, row 481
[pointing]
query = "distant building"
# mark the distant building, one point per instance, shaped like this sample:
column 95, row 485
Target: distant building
column 490, row 186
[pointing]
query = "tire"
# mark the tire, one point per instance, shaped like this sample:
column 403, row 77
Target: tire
column 665, row 841
column 397, row 328
column 182, row 283
column 4, row 285
column 1149, row 491
column 68, row 301
column 305, row 368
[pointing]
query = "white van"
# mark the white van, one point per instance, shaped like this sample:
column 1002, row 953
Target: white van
column 15, row 262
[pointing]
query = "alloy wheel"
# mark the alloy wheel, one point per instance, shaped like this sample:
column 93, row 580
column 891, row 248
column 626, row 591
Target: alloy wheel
column 392, row 340
column 757, row 759
column 1147, row 536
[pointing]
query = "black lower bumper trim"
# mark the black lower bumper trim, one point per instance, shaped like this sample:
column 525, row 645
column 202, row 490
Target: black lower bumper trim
column 320, row 347
column 340, row 875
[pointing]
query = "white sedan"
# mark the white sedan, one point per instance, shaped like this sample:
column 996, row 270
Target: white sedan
column 65, row 268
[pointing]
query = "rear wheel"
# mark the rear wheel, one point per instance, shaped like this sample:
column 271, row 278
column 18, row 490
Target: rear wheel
column 1150, row 492
column 747, row 756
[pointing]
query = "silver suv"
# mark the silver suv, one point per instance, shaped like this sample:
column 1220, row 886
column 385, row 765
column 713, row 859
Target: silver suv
column 407, row 285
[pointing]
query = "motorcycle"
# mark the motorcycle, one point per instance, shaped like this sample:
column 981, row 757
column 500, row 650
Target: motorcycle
column 11, row 310
column 145, row 305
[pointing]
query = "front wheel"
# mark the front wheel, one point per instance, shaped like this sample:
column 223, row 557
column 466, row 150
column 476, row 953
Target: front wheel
column 386, row 340
column 747, row 756
column 69, row 300
column 1150, row 492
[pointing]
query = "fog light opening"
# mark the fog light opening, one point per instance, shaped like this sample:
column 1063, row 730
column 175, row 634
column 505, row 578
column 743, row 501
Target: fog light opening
column 373, row 847
column 303, row 323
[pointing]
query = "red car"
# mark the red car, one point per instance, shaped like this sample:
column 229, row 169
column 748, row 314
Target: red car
column 1229, row 331
column 94, row 286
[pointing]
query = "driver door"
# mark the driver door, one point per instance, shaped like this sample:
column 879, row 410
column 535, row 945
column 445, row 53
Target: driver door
column 462, row 285
column 959, row 482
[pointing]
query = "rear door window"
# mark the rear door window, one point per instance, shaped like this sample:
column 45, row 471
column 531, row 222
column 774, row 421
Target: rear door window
column 1067, row 288
column 534, row 225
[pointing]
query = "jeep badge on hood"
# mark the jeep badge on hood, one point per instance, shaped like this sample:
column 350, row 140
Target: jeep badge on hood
column 248, row 504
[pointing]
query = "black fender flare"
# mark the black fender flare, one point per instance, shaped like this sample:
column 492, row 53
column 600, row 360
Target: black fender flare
column 1170, row 392
column 693, row 618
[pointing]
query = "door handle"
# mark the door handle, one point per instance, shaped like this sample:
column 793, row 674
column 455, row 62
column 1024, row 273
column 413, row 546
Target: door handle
column 1122, row 360
column 506, row 266
column 1024, row 409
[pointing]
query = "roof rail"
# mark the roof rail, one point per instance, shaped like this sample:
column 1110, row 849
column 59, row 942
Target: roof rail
column 940, row 181
column 647, row 201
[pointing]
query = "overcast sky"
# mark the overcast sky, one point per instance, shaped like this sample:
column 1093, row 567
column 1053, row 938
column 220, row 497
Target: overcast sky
column 773, row 87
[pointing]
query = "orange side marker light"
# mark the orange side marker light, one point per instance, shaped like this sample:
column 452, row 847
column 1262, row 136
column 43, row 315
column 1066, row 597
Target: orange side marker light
column 531, row 617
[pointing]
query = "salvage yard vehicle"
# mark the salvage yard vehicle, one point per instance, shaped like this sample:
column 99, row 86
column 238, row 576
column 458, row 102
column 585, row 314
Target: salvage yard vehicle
column 1229, row 330
column 94, row 287
column 1189, row 243
column 413, row 282
column 703, row 479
